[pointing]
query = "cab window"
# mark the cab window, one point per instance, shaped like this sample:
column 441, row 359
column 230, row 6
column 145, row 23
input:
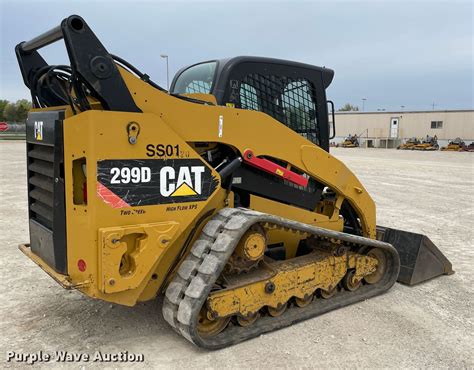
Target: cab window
column 289, row 100
column 300, row 109
column 196, row 79
column 248, row 97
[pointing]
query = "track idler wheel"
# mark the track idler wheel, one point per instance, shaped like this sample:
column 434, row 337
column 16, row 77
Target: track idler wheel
column 280, row 310
column 349, row 282
column 381, row 258
column 208, row 326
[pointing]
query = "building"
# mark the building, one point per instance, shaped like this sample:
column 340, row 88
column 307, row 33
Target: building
column 389, row 129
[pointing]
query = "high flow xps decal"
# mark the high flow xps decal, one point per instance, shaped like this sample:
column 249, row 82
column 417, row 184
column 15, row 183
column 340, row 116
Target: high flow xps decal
column 143, row 182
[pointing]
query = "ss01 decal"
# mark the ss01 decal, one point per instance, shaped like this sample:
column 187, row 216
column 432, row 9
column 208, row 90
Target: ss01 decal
column 144, row 182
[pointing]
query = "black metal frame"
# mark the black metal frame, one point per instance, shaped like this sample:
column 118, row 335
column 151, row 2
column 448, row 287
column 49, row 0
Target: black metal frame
column 252, row 181
column 89, row 60
column 333, row 117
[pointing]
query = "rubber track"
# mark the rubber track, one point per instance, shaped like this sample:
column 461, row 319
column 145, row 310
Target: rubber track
column 195, row 278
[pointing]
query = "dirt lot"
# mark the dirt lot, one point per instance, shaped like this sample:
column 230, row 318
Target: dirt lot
column 430, row 325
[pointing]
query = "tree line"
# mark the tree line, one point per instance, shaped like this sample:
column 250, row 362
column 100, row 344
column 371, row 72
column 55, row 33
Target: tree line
column 18, row 111
column 348, row 108
column 14, row 111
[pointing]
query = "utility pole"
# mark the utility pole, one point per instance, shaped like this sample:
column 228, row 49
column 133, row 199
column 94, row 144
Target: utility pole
column 433, row 105
column 164, row 56
column 363, row 104
column 402, row 106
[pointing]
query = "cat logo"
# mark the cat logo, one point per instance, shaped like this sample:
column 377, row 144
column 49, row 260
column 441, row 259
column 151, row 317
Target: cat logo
column 182, row 182
column 39, row 130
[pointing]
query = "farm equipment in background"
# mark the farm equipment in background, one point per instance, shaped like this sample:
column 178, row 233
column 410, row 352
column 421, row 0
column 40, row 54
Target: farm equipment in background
column 351, row 141
column 468, row 148
column 409, row 144
column 456, row 145
column 221, row 194
column 430, row 143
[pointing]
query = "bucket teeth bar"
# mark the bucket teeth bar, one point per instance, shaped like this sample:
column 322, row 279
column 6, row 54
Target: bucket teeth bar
column 188, row 291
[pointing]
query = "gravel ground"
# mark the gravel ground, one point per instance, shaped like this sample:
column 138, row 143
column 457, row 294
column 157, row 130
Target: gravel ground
column 430, row 325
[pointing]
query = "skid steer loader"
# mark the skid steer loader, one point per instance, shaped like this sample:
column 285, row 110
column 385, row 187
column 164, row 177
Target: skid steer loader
column 456, row 145
column 409, row 144
column 429, row 144
column 350, row 142
column 220, row 194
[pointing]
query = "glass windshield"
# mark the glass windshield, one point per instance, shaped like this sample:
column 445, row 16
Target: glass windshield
column 196, row 79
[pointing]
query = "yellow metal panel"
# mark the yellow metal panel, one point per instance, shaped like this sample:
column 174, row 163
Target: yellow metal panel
column 98, row 135
column 124, row 262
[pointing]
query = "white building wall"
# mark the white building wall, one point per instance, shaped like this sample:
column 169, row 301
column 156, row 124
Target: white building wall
column 377, row 124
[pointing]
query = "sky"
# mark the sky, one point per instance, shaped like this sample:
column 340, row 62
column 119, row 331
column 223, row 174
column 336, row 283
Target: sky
column 391, row 53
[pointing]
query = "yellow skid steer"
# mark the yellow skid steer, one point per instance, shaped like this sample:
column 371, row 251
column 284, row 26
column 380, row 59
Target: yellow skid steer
column 220, row 194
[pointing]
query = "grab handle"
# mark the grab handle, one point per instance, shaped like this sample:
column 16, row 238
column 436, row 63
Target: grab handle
column 46, row 38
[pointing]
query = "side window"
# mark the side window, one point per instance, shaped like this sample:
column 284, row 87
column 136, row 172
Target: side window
column 299, row 108
column 289, row 100
column 196, row 86
column 248, row 97
column 196, row 79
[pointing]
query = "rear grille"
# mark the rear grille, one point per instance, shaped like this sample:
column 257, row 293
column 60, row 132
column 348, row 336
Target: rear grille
column 41, row 180
column 46, row 202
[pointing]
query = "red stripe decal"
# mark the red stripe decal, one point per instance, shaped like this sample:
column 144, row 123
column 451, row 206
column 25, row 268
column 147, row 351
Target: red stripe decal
column 275, row 169
column 110, row 198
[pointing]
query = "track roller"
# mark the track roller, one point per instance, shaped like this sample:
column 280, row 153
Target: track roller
column 275, row 312
column 303, row 302
column 249, row 320
column 349, row 282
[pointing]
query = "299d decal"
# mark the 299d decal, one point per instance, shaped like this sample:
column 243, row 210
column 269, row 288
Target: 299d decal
column 135, row 182
column 126, row 174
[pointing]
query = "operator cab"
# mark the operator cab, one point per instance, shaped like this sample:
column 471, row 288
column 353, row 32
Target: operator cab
column 290, row 92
